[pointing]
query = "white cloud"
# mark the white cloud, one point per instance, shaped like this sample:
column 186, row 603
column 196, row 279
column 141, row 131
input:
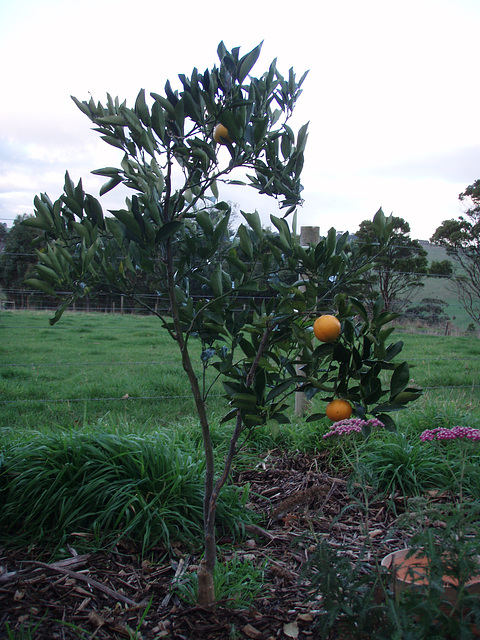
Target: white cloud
column 391, row 96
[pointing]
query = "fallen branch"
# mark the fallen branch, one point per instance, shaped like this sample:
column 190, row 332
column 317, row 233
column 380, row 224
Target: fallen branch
column 30, row 574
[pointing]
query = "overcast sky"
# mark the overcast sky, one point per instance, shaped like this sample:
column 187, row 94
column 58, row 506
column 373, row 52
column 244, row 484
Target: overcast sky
column 392, row 96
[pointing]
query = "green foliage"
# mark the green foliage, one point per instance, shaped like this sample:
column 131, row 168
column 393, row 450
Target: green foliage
column 357, row 598
column 238, row 582
column 348, row 593
column 110, row 487
column 405, row 465
column 440, row 268
column 358, row 364
column 17, row 261
column 430, row 311
column 398, row 266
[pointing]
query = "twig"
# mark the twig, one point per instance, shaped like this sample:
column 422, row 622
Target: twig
column 91, row 582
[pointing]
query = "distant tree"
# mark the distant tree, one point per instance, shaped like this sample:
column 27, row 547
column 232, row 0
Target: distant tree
column 430, row 311
column 3, row 234
column 399, row 268
column 461, row 238
column 18, row 260
column 440, row 268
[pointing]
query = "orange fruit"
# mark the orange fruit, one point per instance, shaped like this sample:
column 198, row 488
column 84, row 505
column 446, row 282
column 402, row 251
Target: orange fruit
column 327, row 328
column 338, row 410
column 220, row 134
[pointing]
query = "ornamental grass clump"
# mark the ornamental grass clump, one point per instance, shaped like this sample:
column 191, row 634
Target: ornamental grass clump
column 108, row 487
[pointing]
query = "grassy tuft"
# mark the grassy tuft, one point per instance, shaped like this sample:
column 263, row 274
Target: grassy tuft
column 111, row 487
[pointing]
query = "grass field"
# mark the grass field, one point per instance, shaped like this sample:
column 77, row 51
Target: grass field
column 78, row 374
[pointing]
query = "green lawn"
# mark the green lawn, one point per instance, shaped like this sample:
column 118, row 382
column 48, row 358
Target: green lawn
column 79, row 372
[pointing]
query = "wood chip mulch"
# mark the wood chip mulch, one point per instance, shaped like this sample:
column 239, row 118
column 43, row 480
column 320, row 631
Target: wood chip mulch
column 117, row 594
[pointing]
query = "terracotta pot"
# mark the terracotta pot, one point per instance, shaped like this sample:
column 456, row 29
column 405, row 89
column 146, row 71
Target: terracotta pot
column 412, row 572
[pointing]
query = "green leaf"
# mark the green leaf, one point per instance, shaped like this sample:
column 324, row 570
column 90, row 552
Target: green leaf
column 315, row 417
column 168, row 230
column 116, row 120
column 41, row 286
column 302, row 138
column 141, row 108
column 331, row 241
column 254, row 222
column 245, row 242
column 393, row 350
column 115, row 229
column 377, row 308
column 400, row 378
column 129, row 221
column 216, row 280
column 111, row 184
column 165, row 104
column 47, row 273
column 407, row 396
column 37, row 223
column 360, row 308
column 283, row 386
column 113, row 142
column 387, row 421
column 108, row 172
column 247, row 62
column 205, row 222
column 244, row 401
column 234, row 261
column 378, row 224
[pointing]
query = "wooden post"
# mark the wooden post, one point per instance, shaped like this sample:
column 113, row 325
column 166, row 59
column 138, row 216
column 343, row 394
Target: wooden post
column 308, row 236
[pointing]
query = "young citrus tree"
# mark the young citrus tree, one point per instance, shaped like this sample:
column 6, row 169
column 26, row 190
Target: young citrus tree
column 255, row 314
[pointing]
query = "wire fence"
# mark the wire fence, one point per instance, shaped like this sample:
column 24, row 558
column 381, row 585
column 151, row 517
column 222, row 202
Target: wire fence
column 473, row 386
column 164, row 397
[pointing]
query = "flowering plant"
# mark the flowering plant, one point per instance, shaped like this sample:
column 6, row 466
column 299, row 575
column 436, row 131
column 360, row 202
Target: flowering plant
column 352, row 425
column 455, row 433
column 462, row 435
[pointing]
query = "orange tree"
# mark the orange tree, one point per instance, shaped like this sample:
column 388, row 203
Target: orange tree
column 173, row 231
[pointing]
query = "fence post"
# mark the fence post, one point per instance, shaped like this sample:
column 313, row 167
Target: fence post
column 308, row 236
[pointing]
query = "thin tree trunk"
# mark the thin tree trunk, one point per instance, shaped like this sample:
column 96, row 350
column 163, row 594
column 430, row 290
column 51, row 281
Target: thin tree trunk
column 206, row 593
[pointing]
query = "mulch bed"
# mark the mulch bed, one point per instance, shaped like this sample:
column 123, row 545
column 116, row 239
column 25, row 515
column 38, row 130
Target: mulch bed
column 113, row 594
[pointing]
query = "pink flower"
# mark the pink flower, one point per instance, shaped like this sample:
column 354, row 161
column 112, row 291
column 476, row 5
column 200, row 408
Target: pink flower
column 351, row 425
column 455, row 433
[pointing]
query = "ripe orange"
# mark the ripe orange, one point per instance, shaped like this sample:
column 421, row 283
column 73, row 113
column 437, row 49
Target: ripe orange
column 220, row 134
column 338, row 410
column 327, row 328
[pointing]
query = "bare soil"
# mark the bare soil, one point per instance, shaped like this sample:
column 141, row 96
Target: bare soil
column 114, row 594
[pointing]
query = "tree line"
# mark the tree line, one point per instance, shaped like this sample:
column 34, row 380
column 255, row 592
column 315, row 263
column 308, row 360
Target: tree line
column 400, row 269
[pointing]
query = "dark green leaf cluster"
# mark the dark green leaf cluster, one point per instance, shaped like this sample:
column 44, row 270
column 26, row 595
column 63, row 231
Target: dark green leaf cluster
column 178, row 128
column 360, row 366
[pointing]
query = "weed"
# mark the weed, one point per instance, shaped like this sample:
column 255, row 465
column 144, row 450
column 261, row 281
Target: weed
column 238, row 582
